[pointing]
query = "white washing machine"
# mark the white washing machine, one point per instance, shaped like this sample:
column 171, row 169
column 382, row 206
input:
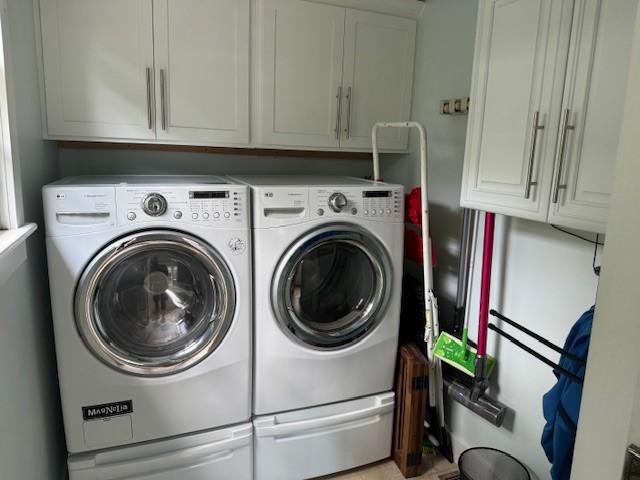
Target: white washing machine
column 151, row 295
column 327, row 287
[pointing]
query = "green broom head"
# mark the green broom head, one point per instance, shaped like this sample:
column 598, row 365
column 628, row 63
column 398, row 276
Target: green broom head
column 456, row 353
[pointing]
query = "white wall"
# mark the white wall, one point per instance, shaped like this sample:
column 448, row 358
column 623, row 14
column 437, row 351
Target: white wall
column 31, row 435
column 444, row 54
column 612, row 373
column 542, row 278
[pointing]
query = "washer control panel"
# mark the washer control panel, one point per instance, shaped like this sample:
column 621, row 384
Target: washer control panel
column 215, row 205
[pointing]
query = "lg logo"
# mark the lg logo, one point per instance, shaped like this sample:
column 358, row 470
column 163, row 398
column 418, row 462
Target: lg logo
column 268, row 194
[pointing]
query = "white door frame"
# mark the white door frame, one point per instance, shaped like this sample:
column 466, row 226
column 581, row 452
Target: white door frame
column 612, row 373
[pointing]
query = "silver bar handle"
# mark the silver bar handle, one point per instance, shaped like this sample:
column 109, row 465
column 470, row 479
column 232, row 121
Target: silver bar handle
column 348, row 98
column 339, row 113
column 163, row 98
column 564, row 127
column 149, row 100
column 532, row 155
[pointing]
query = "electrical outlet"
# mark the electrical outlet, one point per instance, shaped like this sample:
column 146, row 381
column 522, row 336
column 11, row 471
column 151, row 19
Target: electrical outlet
column 454, row 106
column 446, row 107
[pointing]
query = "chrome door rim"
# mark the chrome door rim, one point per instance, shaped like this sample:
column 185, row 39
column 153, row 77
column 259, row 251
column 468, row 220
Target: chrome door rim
column 287, row 319
column 89, row 327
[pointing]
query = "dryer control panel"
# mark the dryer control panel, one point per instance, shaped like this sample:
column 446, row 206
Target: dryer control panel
column 278, row 205
column 383, row 203
column 215, row 205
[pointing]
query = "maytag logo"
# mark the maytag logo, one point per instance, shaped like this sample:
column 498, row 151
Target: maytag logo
column 94, row 412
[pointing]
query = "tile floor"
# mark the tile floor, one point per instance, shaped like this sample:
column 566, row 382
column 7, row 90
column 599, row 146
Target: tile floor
column 434, row 468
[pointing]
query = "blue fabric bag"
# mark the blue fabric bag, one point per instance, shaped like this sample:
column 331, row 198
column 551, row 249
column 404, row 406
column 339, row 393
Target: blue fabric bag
column 561, row 404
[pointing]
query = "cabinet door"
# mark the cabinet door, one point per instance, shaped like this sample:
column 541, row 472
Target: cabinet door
column 202, row 70
column 299, row 73
column 377, row 83
column 593, row 107
column 98, row 68
column 519, row 66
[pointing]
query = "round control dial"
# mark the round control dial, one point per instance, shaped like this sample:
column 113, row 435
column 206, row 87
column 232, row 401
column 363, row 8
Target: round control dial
column 337, row 202
column 154, row 204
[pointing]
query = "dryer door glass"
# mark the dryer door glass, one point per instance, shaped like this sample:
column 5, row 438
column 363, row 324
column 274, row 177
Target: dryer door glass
column 155, row 303
column 333, row 287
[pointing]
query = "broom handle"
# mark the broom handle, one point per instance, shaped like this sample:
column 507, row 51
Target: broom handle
column 485, row 289
column 470, row 273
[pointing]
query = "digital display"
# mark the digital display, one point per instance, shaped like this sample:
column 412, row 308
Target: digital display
column 377, row 194
column 204, row 195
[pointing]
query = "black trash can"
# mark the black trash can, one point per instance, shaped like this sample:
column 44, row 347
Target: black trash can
column 490, row 464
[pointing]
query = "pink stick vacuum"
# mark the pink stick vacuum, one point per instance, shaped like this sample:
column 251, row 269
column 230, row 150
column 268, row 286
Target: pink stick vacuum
column 480, row 380
column 485, row 289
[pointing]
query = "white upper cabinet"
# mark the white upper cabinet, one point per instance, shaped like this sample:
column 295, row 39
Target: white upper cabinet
column 299, row 47
column 202, row 71
column 377, row 81
column 98, row 68
column 292, row 74
column 326, row 74
column 546, row 108
column 593, row 106
column 516, row 88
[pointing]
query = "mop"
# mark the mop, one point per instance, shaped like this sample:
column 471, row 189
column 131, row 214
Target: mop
column 432, row 327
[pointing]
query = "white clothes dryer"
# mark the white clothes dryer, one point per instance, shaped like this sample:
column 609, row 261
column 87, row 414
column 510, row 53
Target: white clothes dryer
column 151, row 294
column 328, row 277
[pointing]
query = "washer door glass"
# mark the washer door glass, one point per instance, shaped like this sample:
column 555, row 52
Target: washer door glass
column 332, row 287
column 155, row 303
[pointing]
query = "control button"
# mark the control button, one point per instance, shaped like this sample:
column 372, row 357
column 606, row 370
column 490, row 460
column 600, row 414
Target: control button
column 373, row 212
column 205, row 215
column 388, row 211
column 366, row 212
column 131, row 216
column 177, row 214
column 227, row 214
column 194, row 215
column 354, row 211
column 216, row 214
column 320, row 212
